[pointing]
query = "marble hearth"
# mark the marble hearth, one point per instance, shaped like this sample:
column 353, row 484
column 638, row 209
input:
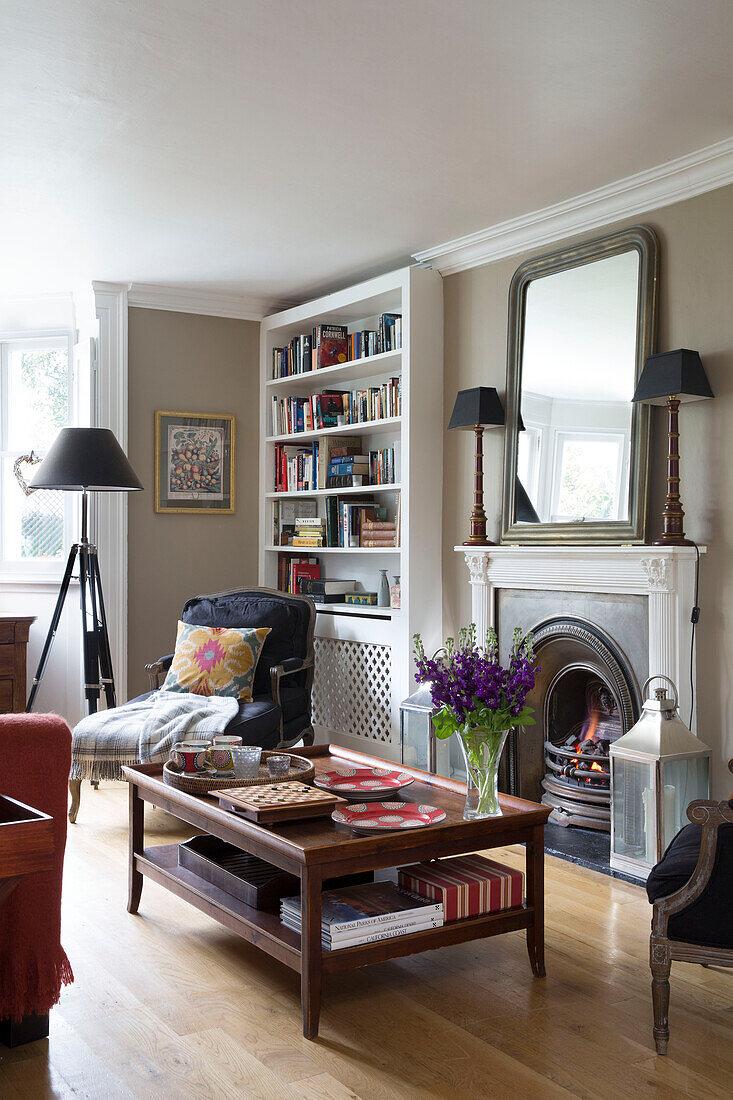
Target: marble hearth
column 627, row 608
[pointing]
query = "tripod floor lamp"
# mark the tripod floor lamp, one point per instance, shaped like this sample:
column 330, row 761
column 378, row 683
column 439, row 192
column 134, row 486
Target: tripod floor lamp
column 85, row 460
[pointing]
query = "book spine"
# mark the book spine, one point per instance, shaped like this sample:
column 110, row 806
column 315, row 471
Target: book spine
column 377, row 922
column 402, row 928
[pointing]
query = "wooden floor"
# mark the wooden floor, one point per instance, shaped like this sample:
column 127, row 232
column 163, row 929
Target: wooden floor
column 167, row 1004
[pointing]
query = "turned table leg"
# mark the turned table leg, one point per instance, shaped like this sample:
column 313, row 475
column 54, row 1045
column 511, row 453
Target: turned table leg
column 661, row 964
column 310, row 950
column 136, row 845
column 536, row 898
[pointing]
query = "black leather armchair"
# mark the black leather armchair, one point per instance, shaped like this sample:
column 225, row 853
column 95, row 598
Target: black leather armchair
column 691, row 890
column 280, row 712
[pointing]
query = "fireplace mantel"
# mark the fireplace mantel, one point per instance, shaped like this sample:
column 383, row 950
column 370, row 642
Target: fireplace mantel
column 664, row 574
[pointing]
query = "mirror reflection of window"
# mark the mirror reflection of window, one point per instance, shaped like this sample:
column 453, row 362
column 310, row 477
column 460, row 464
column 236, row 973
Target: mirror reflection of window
column 578, row 375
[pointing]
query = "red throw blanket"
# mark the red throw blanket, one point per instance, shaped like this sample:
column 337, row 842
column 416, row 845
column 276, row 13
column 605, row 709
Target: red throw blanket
column 36, row 759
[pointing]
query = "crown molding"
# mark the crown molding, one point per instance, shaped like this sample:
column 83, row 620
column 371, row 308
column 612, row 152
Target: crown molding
column 197, row 300
column 674, row 181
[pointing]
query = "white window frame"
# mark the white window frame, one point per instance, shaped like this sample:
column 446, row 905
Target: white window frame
column 570, row 436
column 38, row 569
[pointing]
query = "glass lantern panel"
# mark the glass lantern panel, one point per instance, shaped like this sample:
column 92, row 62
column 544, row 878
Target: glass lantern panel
column 634, row 832
column 684, row 781
column 415, row 738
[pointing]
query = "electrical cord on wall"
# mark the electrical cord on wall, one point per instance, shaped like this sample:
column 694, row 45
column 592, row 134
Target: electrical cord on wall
column 694, row 619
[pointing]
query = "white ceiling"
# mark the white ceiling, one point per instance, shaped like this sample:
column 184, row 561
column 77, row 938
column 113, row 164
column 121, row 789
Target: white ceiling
column 282, row 147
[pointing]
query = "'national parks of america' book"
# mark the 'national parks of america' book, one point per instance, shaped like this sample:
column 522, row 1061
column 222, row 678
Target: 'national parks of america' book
column 369, row 907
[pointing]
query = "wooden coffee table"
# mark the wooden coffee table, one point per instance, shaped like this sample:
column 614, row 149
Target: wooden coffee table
column 318, row 849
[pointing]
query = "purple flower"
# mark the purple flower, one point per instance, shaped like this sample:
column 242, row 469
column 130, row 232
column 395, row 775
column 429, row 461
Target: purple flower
column 469, row 681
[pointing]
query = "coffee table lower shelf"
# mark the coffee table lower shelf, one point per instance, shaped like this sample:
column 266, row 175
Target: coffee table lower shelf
column 264, row 929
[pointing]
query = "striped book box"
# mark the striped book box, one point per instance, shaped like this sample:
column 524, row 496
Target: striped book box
column 467, row 885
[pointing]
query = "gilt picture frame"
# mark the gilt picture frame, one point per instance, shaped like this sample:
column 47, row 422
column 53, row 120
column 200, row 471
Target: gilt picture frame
column 194, row 463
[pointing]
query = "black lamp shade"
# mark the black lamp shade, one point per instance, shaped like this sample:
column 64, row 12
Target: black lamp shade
column 480, row 406
column 86, row 458
column 669, row 373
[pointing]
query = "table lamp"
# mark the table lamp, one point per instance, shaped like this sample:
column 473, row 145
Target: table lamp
column 668, row 378
column 85, row 460
column 477, row 409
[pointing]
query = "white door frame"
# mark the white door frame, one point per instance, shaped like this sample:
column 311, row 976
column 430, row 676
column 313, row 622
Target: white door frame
column 109, row 510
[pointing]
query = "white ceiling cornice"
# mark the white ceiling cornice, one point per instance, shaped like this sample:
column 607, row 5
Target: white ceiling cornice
column 198, row 300
column 678, row 179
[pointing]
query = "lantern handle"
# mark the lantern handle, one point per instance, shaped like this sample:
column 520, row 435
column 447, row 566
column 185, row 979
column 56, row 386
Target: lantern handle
column 659, row 676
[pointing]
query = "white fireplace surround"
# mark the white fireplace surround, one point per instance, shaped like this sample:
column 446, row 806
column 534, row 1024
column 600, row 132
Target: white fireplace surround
column 665, row 575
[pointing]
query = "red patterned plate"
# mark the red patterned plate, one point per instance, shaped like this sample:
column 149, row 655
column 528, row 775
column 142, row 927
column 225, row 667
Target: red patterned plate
column 363, row 784
column 386, row 816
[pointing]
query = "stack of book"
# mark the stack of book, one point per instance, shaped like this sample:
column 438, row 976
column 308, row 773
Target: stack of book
column 382, row 467
column 366, row 914
column 285, row 513
column 329, row 345
column 347, row 470
column 378, row 532
column 466, row 886
column 290, row 570
column 308, row 531
column 325, row 591
column 296, row 468
column 292, row 415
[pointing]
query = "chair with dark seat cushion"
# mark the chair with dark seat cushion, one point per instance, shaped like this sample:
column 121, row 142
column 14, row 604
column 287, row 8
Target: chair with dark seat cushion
column 691, row 890
column 278, row 716
column 280, row 712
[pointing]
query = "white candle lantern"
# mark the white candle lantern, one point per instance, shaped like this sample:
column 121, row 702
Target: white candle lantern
column 657, row 769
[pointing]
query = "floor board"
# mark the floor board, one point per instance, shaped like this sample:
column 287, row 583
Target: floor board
column 168, row 1005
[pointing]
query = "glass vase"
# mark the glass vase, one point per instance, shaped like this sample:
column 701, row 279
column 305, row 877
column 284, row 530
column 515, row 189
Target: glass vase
column 482, row 749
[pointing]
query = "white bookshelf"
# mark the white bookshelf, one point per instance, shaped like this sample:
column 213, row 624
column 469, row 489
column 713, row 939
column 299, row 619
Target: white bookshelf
column 364, row 653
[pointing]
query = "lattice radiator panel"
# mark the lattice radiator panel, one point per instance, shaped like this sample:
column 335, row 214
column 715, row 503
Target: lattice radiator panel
column 352, row 688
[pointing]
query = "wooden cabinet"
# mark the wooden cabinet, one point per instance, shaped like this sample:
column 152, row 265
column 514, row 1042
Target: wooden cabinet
column 14, row 630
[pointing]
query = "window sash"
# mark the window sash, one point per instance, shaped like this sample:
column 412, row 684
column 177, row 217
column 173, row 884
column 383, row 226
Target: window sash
column 60, row 340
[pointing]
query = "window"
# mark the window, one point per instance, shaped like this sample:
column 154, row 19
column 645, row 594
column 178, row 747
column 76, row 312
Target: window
column 588, row 480
column 36, row 400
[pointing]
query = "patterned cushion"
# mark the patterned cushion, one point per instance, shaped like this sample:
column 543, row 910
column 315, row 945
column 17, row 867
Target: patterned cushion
column 216, row 660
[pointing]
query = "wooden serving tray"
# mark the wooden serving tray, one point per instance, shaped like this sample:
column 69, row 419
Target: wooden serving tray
column 284, row 802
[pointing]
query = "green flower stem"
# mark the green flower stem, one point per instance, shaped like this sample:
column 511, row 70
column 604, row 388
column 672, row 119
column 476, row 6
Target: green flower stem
column 483, row 753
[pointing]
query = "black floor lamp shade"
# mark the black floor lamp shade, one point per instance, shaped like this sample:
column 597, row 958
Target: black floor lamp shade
column 86, row 458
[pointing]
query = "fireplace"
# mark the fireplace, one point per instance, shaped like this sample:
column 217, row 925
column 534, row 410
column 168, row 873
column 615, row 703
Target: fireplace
column 577, row 782
column 605, row 618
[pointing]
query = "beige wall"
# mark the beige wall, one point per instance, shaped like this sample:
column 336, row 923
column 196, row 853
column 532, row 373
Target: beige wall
column 695, row 311
column 201, row 364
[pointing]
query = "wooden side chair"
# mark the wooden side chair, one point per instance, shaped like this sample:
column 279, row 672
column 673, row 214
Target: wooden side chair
column 691, row 890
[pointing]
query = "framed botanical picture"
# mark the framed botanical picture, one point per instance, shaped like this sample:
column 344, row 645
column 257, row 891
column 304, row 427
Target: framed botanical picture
column 194, row 463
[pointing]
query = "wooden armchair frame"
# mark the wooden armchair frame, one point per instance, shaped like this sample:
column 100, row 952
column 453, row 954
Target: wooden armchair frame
column 277, row 672
column 662, row 950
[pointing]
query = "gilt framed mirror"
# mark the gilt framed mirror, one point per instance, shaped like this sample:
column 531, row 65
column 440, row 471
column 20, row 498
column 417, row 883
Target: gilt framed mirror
column 581, row 323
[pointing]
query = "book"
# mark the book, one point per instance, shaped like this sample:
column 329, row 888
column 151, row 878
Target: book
column 367, row 599
column 326, row 587
column 467, row 886
column 388, row 525
column 329, row 446
column 416, row 923
column 346, row 481
column 307, row 540
column 376, row 544
column 370, row 905
column 385, row 932
column 330, row 345
column 320, row 597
